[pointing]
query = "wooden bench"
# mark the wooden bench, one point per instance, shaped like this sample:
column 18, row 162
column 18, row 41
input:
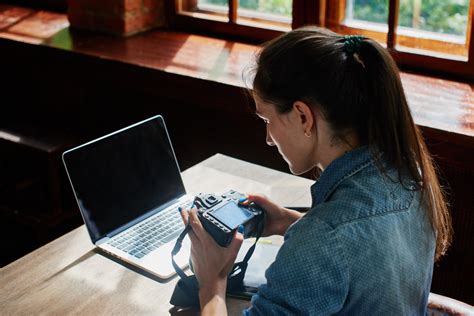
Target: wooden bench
column 31, row 185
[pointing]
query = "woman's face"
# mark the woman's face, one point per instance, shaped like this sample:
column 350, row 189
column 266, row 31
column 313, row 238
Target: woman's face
column 286, row 132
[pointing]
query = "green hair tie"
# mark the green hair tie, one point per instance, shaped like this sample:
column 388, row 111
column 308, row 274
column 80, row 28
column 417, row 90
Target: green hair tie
column 352, row 43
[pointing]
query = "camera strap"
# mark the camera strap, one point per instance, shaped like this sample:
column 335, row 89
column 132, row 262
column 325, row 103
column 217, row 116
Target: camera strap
column 186, row 292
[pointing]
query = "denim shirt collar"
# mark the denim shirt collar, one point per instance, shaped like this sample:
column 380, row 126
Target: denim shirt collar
column 339, row 170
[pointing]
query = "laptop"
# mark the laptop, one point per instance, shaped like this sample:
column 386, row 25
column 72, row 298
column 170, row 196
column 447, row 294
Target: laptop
column 128, row 188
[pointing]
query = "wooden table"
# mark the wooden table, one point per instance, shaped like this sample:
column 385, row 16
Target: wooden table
column 67, row 276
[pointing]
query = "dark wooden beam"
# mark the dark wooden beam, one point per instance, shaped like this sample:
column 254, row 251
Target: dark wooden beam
column 393, row 11
column 233, row 6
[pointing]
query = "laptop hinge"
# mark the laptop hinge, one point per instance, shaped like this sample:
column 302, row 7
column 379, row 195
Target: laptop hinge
column 102, row 240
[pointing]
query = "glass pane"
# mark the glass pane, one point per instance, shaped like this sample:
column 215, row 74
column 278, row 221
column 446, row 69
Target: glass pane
column 222, row 3
column 273, row 10
column 373, row 11
column 440, row 16
column 434, row 26
column 217, row 6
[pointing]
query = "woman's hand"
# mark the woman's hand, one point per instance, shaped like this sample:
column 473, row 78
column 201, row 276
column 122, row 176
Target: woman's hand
column 277, row 219
column 211, row 263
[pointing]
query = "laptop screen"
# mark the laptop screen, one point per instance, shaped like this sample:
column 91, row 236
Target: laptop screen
column 122, row 176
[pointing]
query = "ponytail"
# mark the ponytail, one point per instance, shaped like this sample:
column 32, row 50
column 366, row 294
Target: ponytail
column 393, row 131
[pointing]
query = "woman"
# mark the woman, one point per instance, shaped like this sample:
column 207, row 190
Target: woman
column 378, row 219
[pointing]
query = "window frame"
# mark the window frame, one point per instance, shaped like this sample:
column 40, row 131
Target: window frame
column 303, row 11
column 329, row 13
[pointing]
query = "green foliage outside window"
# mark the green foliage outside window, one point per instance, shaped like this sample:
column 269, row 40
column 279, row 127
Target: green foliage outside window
column 216, row 2
column 443, row 16
column 280, row 7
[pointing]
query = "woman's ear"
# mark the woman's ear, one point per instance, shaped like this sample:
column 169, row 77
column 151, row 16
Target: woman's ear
column 305, row 117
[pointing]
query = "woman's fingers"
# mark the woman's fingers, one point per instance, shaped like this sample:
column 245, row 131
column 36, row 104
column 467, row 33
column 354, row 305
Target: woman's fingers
column 184, row 215
column 263, row 201
column 195, row 223
column 236, row 242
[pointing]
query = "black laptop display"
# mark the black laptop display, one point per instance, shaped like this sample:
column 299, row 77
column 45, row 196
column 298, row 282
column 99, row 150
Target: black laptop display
column 120, row 178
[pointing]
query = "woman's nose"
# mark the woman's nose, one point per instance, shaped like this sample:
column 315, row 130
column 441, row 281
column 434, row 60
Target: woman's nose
column 269, row 139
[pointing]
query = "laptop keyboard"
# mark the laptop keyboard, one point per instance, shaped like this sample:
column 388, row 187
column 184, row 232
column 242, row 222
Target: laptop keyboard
column 151, row 233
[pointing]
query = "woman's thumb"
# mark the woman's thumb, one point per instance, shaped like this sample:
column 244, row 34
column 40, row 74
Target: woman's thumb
column 238, row 239
column 261, row 200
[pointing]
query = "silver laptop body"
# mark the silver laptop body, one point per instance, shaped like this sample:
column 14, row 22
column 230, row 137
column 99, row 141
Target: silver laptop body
column 128, row 188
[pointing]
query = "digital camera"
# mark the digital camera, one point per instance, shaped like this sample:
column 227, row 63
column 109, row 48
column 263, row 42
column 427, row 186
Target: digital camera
column 221, row 216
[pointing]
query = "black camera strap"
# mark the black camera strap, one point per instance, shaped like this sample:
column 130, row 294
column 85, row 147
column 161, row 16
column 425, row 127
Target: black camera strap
column 186, row 292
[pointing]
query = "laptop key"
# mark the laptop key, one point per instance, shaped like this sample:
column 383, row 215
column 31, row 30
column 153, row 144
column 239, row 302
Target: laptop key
column 122, row 246
column 128, row 248
column 140, row 255
column 171, row 236
column 158, row 243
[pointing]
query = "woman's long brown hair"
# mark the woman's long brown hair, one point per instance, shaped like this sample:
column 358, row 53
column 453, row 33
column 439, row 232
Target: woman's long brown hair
column 359, row 91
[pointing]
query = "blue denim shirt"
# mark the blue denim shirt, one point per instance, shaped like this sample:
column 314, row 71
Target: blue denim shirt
column 366, row 247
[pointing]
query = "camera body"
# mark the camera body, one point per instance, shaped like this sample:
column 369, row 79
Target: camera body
column 221, row 216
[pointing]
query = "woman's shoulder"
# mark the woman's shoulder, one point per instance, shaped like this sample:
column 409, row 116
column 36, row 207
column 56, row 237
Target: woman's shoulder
column 369, row 193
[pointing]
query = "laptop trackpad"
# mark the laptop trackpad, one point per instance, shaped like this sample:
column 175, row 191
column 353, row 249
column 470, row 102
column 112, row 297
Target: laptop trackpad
column 159, row 263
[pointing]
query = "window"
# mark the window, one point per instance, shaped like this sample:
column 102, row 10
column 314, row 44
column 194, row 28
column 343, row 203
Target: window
column 429, row 34
column 270, row 14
